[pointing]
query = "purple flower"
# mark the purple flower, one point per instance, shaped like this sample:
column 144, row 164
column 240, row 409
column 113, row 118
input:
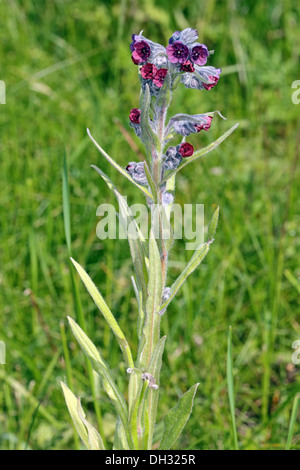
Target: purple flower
column 199, row 54
column 159, row 77
column 177, row 52
column 141, row 52
column 205, row 125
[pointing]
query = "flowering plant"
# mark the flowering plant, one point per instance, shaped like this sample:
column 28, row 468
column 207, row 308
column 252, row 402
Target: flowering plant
column 160, row 70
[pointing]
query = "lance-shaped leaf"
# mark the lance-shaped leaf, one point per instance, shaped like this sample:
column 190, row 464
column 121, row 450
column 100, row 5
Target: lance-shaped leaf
column 94, row 438
column 136, row 240
column 120, row 439
column 176, row 419
column 71, row 402
column 134, row 394
column 202, row 152
column 101, row 304
column 100, row 366
column 152, row 395
column 213, row 225
column 152, row 322
column 118, row 167
column 196, row 259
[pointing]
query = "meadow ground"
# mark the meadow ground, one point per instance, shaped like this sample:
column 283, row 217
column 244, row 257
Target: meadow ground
column 67, row 66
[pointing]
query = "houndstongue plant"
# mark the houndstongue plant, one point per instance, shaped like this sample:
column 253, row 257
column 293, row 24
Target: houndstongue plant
column 160, row 70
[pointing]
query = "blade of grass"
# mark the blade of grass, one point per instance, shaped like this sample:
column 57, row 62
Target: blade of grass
column 292, row 422
column 230, row 386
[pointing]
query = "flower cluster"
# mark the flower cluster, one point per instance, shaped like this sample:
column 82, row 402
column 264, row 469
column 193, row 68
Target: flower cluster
column 174, row 155
column 183, row 56
column 137, row 172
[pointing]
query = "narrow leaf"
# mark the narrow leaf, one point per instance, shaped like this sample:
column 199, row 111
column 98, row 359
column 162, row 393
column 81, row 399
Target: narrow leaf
column 100, row 366
column 177, row 418
column 94, row 438
column 155, row 286
column 120, row 439
column 118, row 167
column 213, row 225
column 71, row 402
column 152, row 395
column 101, row 304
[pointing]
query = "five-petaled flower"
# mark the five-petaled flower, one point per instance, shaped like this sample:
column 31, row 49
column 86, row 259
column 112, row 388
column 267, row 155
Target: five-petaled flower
column 199, row 54
column 141, row 52
column 177, row 52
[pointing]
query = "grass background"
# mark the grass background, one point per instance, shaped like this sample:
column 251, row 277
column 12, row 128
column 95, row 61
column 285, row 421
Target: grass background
column 67, row 66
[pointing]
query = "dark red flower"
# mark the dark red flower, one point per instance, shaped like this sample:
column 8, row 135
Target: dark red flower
column 187, row 66
column 212, row 84
column 141, row 52
column 135, row 115
column 186, row 150
column 159, row 77
column 148, row 71
column 205, row 125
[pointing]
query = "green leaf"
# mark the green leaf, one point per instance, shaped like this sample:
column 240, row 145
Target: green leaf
column 152, row 395
column 292, row 422
column 134, row 393
column 230, row 386
column 202, row 152
column 71, row 402
column 138, row 246
column 213, row 225
column 177, row 418
column 94, row 438
column 194, row 262
column 152, row 321
column 101, row 304
column 100, row 366
column 120, row 439
column 118, row 167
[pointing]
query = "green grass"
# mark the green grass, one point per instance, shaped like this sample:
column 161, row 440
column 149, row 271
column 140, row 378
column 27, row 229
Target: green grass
column 67, row 67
